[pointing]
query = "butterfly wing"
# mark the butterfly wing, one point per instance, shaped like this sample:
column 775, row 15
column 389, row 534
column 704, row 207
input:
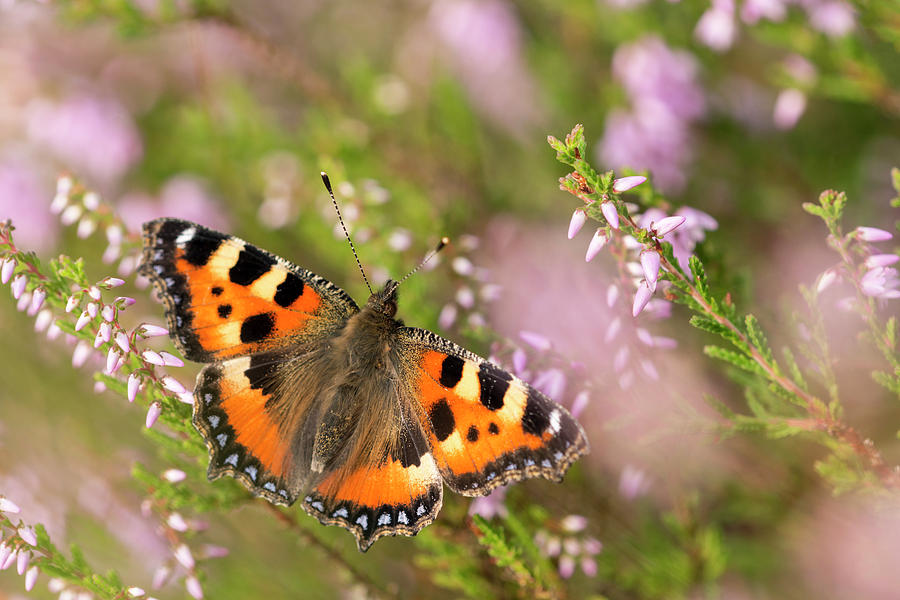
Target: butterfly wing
column 262, row 323
column 226, row 298
column 485, row 426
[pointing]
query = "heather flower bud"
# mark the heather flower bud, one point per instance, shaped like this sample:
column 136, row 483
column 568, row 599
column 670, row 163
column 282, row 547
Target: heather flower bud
column 192, row 584
column 462, row 265
column 22, row 561
column 134, row 384
column 71, row 303
column 177, row 522
column 519, row 360
column 92, row 309
column 58, row 203
column 111, row 254
column 112, row 358
column 183, row 555
column 91, row 201
column 82, row 321
column 122, row 341
column 108, row 312
column 447, row 316
column 825, row 280
column 612, row 295
column 160, row 577
column 6, row 271
column 94, row 292
column 135, row 592
column 610, row 214
column 153, row 358
column 18, row 286
column 27, row 535
column 81, row 354
column 667, row 225
column 86, row 227
column 37, row 300
column 31, row 578
column 873, row 234
column 573, row 523
column 171, row 360
column 173, row 385
column 881, row 260
column 580, row 403
column 186, row 397
column 114, row 235
column 579, row 218
column 650, row 266
column 596, row 245
column 152, row 415
column 641, row 298
column 103, row 335
column 71, row 214
column 53, row 331
column 147, row 330
column 213, row 551
column 566, row 566
column 124, row 302
column 624, row 184
column 535, row 340
column 8, row 506
column 174, row 475
column 111, row 282
column 7, row 556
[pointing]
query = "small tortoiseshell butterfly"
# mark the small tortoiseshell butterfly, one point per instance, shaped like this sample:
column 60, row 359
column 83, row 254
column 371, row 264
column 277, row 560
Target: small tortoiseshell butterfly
column 308, row 396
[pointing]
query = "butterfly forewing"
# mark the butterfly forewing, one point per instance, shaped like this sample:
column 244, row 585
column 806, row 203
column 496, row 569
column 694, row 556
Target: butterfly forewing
column 486, row 427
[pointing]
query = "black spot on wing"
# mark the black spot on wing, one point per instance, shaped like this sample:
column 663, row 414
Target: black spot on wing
column 216, row 290
column 202, row 246
column 249, row 267
column 288, row 290
column 442, row 421
column 257, row 327
column 493, row 382
column 451, row 371
column 493, row 428
column 535, row 419
column 224, row 310
column 472, row 434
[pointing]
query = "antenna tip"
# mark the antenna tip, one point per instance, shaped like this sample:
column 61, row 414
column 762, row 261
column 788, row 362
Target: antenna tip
column 326, row 180
column 444, row 241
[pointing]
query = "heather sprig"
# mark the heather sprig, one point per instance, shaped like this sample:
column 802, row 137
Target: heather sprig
column 781, row 401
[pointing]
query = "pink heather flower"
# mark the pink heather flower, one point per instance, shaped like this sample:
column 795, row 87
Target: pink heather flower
column 871, row 234
column 186, row 397
column 71, row 214
column 182, row 196
column 177, row 522
column 612, row 294
column 183, row 555
column 490, row 506
column 580, row 403
column 598, row 240
column 103, row 334
column 754, row 10
column 519, row 360
column 160, row 577
column 122, row 341
column 620, row 361
column 10, row 557
column 826, row 279
column 566, row 566
column 134, row 383
column 551, row 382
column 171, row 360
column 535, row 340
column 92, row 310
column 623, row 184
column 881, row 260
column 152, row 415
column 8, row 506
column 92, row 134
column 99, row 387
column 153, row 358
column 465, row 297
column 147, row 330
column 641, row 298
column 86, row 227
column 610, row 214
column 72, row 302
column 716, row 28
column 881, row 282
column 112, row 357
column 447, row 316
column 24, row 301
column 31, row 578
column 114, row 237
column 37, row 300
column 173, row 385
column 6, row 271
column 94, row 292
column 579, row 218
column 124, row 302
column 463, row 266
column 27, row 535
column 81, row 354
column 650, row 370
column 192, row 584
column 589, row 566
column 174, row 475
column 667, row 225
column 53, row 331
column 18, row 286
column 650, row 265
column 592, row 546
column 633, row 483
column 135, row 592
column 833, row 18
column 108, row 312
column 612, row 330
column 789, row 107
column 91, row 201
column 573, row 524
column 213, row 551
column 22, row 561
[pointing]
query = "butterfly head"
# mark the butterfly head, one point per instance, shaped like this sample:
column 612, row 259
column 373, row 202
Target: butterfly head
column 384, row 301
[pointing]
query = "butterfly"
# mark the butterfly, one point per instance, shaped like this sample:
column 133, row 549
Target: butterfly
column 308, row 396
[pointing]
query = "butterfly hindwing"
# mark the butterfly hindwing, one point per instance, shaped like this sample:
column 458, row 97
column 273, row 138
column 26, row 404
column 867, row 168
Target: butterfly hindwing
column 226, row 298
column 485, row 426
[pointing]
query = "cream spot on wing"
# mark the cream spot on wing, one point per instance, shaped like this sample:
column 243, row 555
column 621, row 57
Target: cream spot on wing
column 225, row 257
column 468, row 386
column 453, row 445
column 513, row 405
column 266, row 286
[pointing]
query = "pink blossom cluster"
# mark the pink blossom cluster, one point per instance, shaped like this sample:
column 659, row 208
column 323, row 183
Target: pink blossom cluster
column 571, row 546
column 879, row 279
column 17, row 548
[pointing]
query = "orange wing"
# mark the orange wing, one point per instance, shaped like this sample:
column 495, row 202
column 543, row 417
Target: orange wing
column 226, row 298
column 486, row 427
column 399, row 496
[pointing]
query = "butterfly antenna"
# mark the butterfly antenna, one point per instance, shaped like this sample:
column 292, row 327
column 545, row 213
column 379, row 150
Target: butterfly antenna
column 441, row 245
column 344, row 227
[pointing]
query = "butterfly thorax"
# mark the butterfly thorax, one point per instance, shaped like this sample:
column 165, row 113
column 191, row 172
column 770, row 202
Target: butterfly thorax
column 361, row 409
